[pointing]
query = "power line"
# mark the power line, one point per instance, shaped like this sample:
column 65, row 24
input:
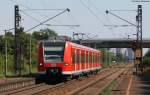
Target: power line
column 91, row 12
column 117, row 25
column 20, row 4
column 62, row 25
column 124, row 10
column 48, row 19
column 106, row 19
column 42, row 9
column 31, row 17
column 28, row 8
column 120, row 18
column 72, row 17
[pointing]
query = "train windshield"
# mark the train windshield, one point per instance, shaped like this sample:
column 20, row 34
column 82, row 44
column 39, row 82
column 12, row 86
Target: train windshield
column 54, row 52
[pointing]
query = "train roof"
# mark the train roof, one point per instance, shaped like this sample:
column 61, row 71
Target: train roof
column 71, row 43
column 82, row 47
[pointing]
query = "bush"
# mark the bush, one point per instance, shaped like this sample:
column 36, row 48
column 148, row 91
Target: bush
column 146, row 61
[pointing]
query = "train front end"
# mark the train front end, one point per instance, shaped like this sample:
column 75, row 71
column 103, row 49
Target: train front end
column 51, row 56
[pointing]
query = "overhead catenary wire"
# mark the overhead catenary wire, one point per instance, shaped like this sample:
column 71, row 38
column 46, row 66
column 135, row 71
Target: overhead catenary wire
column 124, row 10
column 41, row 9
column 91, row 11
column 35, row 19
column 120, row 18
column 61, row 25
column 73, row 19
column 20, row 4
column 48, row 19
column 28, row 8
column 97, row 17
column 107, row 18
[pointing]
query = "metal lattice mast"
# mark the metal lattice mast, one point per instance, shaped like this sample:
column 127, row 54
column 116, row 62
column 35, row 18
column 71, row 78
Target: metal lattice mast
column 138, row 50
column 16, row 45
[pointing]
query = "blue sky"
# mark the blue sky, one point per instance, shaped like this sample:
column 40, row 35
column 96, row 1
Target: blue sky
column 89, row 14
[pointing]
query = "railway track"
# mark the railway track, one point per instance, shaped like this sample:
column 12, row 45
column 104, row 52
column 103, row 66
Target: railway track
column 122, row 86
column 10, row 85
column 97, row 86
column 68, row 87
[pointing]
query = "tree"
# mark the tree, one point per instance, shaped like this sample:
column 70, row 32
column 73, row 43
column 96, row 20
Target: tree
column 44, row 34
column 23, row 43
column 146, row 59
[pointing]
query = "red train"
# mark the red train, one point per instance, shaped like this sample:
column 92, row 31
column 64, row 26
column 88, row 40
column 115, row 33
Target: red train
column 67, row 59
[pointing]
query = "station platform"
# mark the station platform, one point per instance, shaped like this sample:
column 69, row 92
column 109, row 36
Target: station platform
column 133, row 84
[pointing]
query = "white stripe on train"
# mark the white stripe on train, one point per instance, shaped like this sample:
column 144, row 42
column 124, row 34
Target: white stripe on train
column 79, row 71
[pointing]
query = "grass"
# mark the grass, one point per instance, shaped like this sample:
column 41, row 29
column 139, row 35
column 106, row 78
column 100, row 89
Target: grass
column 10, row 66
column 109, row 88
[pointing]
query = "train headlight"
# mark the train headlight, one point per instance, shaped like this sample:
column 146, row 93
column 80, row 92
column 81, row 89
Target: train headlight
column 40, row 64
column 66, row 64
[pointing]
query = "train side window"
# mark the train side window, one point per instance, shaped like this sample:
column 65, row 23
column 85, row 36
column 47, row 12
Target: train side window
column 77, row 58
column 84, row 58
column 73, row 56
column 97, row 59
column 88, row 57
column 92, row 58
column 100, row 58
column 80, row 56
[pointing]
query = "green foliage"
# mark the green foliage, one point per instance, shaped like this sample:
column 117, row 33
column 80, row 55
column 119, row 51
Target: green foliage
column 10, row 65
column 148, row 53
column 24, row 42
column 44, row 34
column 1, row 65
column 107, row 57
column 10, row 43
column 146, row 59
column 120, row 57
